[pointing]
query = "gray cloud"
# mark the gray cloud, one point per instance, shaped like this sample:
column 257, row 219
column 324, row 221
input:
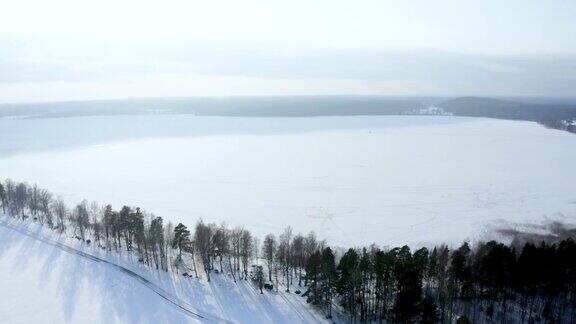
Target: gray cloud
column 447, row 72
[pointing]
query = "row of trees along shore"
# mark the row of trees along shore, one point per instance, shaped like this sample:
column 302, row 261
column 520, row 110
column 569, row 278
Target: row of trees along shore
column 533, row 282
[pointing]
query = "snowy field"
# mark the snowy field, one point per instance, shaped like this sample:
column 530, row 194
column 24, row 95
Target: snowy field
column 47, row 278
column 353, row 180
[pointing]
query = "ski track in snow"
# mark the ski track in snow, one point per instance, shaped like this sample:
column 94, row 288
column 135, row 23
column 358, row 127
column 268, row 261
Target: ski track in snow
column 177, row 302
column 301, row 311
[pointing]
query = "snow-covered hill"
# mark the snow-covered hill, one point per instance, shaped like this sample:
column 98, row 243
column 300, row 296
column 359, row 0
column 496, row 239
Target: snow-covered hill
column 47, row 278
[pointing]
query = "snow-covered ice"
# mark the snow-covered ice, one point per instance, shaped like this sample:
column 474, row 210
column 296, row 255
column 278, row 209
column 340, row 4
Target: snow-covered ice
column 354, row 180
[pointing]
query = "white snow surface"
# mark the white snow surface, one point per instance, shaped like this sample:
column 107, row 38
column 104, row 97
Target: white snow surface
column 391, row 180
column 48, row 278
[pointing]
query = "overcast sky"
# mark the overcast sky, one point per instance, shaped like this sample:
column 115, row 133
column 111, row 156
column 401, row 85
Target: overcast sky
column 73, row 50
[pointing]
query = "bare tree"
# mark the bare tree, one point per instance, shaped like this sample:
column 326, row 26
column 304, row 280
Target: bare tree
column 221, row 243
column 235, row 240
column 247, row 245
column 10, row 196
column 94, row 216
column 3, row 197
column 268, row 252
column 284, row 255
column 44, row 202
column 33, row 201
column 60, row 210
column 203, row 239
column 21, row 198
column 168, row 237
column 297, row 249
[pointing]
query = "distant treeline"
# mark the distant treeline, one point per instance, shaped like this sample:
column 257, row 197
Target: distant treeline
column 558, row 116
column 489, row 282
column 552, row 113
column 261, row 106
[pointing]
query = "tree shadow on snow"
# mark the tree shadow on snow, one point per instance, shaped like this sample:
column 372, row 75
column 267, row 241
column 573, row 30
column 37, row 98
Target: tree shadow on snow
column 120, row 298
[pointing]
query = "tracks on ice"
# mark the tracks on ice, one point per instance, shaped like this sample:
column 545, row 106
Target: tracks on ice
column 180, row 304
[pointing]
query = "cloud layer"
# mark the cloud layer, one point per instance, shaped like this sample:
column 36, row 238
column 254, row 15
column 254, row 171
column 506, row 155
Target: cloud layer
column 66, row 49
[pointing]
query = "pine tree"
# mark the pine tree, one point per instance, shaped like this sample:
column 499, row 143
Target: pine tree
column 409, row 283
column 328, row 277
column 347, row 284
column 428, row 311
column 181, row 238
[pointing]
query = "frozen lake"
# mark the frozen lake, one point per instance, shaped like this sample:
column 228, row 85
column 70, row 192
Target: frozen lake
column 353, row 180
